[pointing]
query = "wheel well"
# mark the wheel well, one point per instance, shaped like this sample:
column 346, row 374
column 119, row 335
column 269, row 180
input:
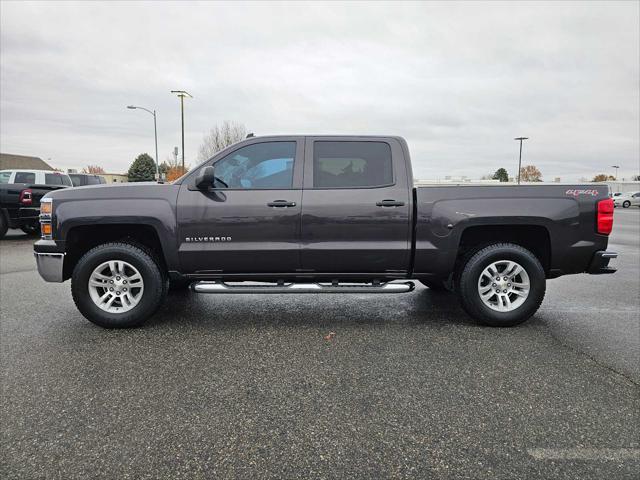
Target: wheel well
column 83, row 238
column 534, row 238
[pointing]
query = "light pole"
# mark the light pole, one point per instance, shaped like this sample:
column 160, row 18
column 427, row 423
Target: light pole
column 182, row 94
column 155, row 134
column 616, row 167
column 520, row 157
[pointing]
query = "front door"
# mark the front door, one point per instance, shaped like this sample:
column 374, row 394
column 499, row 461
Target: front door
column 356, row 207
column 248, row 221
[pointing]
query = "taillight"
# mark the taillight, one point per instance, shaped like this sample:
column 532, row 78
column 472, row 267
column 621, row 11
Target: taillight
column 26, row 197
column 605, row 216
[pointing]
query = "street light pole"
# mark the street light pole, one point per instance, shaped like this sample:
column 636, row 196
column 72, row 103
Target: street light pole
column 616, row 167
column 155, row 135
column 520, row 157
column 182, row 94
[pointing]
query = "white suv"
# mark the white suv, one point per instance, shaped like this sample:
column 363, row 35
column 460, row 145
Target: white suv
column 35, row 177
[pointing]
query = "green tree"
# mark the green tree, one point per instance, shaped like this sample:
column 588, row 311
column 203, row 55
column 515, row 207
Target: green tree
column 143, row 169
column 501, row 174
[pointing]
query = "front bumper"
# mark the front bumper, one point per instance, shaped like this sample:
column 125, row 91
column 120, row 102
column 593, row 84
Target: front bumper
column 50, row 266
column 600, row 263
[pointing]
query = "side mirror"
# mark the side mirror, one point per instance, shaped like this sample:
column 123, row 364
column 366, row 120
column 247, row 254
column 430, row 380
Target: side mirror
column 205, row 178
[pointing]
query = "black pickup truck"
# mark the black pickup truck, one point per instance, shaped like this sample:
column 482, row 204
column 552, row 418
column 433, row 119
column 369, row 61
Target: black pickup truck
column 20, row 206
column 319, row 214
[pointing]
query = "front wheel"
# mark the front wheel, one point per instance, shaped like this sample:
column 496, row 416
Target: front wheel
column 626, row 204
column 118, row 285
column 502, row 285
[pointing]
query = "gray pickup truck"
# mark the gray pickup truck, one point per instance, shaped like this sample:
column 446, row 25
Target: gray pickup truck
column 319, row 214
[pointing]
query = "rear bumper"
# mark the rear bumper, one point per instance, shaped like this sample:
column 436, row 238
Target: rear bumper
column 600, row 263
column 50, row 266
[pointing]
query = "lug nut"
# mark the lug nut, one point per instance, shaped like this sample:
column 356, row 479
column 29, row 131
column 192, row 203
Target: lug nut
column 497, row 290
column 508, row 284
column 504, row 291
column 118, row 292
column 494, row 285
column 110, row 281
column 118, row 278
column 111, row 289
column 124, row 289
column 505, row 279
column 124, row 281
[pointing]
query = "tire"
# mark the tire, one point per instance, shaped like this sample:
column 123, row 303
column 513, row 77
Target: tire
column 4, row 224
column 139, row 260
column 31, row 230
column 473, row 278
column 434, row 285
column 626, row 204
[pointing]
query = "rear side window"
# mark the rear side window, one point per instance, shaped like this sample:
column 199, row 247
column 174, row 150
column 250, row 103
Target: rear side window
column 75, row 179
column 4, row 177
column 56, row 179
column 351, row 164
column 93, row 180
column 25, row 177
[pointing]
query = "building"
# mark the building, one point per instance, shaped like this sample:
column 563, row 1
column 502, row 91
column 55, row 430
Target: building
column 622, row 186
column 9, row 161
column 115, row 177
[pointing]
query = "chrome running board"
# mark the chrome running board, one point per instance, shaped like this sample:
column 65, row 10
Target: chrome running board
column 257, row 287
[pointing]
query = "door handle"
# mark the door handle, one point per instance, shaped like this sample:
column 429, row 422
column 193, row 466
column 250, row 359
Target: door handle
column 390, row 203
column 281, row 203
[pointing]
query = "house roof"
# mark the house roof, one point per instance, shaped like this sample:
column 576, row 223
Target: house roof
column 9, row 161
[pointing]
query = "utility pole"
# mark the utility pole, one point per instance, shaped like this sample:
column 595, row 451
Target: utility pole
column 182, row 94
column 520, row 157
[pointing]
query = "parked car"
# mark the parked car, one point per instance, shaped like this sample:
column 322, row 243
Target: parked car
column 35, row 177
column 82, row 179
column 320, row 214
column 20, row 206
column 627, row 200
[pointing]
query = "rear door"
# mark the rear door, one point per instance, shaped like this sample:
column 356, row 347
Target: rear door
column 356, row 202
column 249, row 220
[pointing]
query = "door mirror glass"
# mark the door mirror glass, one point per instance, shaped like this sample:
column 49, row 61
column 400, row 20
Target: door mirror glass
column 205, row 178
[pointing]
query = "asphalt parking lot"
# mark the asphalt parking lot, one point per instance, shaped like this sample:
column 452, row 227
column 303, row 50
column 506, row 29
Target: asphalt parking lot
column 247, row 386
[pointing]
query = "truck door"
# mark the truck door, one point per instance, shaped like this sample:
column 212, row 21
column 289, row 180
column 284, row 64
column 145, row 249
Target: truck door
column 356, row 206
column 248, row 221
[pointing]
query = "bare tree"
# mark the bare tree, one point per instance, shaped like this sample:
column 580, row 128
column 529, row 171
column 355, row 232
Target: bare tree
column 221, row 136
column 530, row 173
column 93, row 169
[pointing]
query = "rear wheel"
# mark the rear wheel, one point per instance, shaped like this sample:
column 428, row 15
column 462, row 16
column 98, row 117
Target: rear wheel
column 117, row 285
column 626, row 204
column 31, row 229
column 502, row 285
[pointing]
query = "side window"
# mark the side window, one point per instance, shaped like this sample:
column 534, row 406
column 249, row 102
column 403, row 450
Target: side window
column 75, row 179
column 351, row 164
column 261, row 165
column 93, row 180
column 57, row 179
column 4, row 177
column 25, row 177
